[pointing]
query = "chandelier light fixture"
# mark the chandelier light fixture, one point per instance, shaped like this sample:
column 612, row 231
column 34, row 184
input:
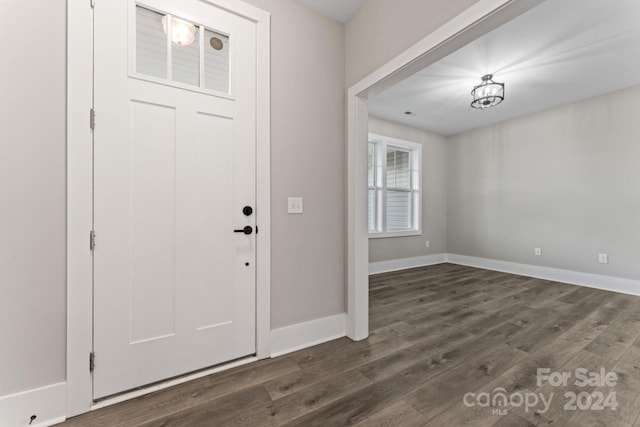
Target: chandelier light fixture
column 183, row 33
column 488, row 93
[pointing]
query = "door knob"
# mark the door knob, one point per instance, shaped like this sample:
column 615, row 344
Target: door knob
column 247, row 230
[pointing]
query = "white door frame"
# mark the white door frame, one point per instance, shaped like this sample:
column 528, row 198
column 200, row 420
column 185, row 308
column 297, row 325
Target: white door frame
column 80, row 192
column 479, row 19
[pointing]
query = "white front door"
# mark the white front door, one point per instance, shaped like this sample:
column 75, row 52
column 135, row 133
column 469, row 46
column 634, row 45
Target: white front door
column 174, row 166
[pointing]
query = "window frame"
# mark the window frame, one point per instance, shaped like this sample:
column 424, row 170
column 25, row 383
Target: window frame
column 381, row 144
column 168, row 80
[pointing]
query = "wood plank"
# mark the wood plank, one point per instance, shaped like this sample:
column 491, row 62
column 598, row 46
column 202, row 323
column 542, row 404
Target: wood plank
column 446, row 390
column 341, row 361
column 554, row 355
column 400, row 414
column 513, row 420
column 437, row 349
column 461, row 414
column 188, row 395
column 628, row 377
column 366, row 402
column 285, row 385
column 616, row 340
column 593, row 418
column 628, row 408
column 557, row 415
column 398, row 329
column 632, row 354
column 246, row 408
column 318, row 395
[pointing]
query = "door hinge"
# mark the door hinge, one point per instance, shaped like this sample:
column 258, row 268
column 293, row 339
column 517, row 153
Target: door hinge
column 92, row 118
column 92, row 240
column 92, row 361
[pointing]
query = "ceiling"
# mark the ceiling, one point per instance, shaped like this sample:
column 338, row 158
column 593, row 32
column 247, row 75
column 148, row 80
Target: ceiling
column 557, row 53
column 339, row 10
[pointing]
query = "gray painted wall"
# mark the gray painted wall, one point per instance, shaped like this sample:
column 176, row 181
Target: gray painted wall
column 434, row 196
column 307, row 160
column 565, row 180
column 382, row 29
column 32, row 194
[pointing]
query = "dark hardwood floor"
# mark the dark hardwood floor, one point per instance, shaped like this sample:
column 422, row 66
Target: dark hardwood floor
column 437, row 333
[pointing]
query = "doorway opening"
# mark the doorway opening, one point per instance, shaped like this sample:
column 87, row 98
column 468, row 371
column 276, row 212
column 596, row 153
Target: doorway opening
column 479, row 19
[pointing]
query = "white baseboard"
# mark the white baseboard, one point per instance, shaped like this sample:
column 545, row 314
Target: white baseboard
column 607, row 283
column 47, row 403
column 404, row 263
column 590, row 280
column 302, row 335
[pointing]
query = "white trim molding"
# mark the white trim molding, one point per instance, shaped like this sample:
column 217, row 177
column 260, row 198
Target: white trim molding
column 357, row 220
column 405, row 263
column 46, row 403
column 79, row 205
column 590, row 280
column 307, row 334
column 80, row 18
column 263, row 180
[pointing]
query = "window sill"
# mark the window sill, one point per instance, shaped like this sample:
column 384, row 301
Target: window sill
column 388, row 234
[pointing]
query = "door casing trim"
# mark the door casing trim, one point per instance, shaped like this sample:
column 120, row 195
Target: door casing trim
column 80, row 192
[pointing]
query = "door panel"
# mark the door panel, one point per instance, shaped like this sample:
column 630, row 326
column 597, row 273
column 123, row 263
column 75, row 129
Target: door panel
column 215, row 301
column 174, row 164
column 152, row 223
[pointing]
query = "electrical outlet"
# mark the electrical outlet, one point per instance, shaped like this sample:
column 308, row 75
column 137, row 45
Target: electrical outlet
column 427, row 244
column 603, row 258
column 537, row 251
column 295, row 205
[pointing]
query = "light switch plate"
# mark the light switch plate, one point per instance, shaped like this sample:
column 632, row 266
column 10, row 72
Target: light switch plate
column 296, row 205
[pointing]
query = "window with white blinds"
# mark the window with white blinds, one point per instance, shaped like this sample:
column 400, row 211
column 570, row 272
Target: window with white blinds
column 178, row 51
column 394, row 178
